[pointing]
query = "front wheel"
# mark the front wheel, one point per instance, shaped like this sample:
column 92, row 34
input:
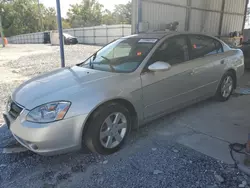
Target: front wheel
column 108, row 128
column 226, row 87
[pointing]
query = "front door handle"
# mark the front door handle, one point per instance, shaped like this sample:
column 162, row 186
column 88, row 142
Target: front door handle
column 199, row 70
column 195, row 71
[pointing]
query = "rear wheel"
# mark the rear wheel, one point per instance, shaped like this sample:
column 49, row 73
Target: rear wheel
column 107, row 129
column 226, row 87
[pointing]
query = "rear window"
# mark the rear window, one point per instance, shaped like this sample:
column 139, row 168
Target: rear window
column 203, row 46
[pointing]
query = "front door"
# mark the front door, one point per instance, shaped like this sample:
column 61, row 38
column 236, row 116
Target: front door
column 164, row 91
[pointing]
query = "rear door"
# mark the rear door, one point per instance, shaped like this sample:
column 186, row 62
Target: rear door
column 209, row 62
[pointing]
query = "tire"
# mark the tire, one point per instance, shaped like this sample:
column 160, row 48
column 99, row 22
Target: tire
column 102, row 128
column 224, row 91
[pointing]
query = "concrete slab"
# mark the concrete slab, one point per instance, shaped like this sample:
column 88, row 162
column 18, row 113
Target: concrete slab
column 244, row 168
column 210, row 126
column 207, row 145
column 19, row 149
column 226, row 121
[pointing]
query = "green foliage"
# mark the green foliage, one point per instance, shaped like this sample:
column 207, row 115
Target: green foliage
column 123, row 13
column 66, row 24
column 27, row 16
column 87, row 13
column 108, row 18
column 49, row 21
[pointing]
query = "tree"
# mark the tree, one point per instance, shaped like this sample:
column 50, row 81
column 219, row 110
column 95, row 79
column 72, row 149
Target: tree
column 49, row 19
column 25, row 16
column 22, row 17
column 90, row 13
column 66, row 24
column 108, row 18
column 87, row 13
column 123, row 13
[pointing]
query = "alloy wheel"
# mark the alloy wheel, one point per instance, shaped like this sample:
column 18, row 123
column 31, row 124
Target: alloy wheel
column 227, row 86
column 113, row 130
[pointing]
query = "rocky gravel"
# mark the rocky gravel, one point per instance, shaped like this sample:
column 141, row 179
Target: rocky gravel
column 33, row 63
column 40, row 63
column 5, row 91
column 165, row 168
column 137, row 165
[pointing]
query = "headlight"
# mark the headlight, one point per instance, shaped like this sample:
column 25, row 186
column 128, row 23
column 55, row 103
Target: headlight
column 50, row 112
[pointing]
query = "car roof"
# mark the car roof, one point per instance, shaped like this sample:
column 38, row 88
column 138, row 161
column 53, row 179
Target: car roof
column 157, row 35
column 148, row 35
column 162, row 34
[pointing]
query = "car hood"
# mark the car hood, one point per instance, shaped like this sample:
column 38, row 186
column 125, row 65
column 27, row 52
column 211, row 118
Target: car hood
column 56, row 85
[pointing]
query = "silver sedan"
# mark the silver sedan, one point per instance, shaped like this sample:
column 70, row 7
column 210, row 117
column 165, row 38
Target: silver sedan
column 127, row 83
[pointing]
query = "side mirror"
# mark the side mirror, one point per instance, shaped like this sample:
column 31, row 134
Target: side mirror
column 159, row 66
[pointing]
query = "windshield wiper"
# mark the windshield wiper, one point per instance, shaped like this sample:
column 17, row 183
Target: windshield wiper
column 91, row 63
column 106, row 58
column 98, row 63
column 111, row 66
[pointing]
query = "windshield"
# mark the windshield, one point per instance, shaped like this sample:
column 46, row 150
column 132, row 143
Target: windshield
column 123, row 55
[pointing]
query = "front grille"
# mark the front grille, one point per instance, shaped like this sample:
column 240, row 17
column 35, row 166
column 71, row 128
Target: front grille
column 14, row 109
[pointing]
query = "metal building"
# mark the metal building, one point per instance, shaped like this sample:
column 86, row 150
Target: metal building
column 216, row 17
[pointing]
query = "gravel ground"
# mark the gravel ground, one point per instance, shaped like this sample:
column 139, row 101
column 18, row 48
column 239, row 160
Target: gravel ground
column 41, row 63
column 148, row 159
column 33, row 63
column 5, row 91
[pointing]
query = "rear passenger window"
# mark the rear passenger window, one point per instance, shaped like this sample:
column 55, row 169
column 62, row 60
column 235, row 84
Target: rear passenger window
column 202, row 46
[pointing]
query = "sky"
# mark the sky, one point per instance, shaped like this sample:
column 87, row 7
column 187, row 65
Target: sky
column 108, row 4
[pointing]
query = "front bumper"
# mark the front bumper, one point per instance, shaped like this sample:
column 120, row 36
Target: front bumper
column 48, row 139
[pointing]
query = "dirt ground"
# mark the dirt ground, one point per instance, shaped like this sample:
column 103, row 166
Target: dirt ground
column 188, row 148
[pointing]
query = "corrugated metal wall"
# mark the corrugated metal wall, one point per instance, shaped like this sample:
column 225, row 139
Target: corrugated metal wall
column 165, row 14
column 205, row 16
column 216, row 17
column 233, row 16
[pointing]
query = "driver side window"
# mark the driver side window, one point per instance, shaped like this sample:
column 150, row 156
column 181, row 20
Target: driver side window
column 173, row 51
